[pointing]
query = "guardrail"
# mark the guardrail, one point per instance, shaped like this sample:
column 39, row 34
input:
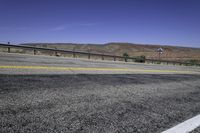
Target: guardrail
column 89, row 54
column 35, row 49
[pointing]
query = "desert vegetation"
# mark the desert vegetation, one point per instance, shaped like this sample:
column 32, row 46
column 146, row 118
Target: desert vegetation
column 174, row 53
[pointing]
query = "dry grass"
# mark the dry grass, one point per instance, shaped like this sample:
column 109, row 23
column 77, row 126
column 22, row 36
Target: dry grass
column 170, row 52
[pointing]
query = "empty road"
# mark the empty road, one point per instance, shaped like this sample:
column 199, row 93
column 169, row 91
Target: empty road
column 56, row 94
column 30, row 64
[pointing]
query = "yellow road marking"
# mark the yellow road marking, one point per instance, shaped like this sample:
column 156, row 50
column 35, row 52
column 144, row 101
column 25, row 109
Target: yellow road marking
column 94, row 69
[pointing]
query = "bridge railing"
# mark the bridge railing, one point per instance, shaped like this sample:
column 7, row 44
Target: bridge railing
column 89, row 54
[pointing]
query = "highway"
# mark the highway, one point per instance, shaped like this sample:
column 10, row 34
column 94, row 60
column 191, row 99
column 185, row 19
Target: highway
column 57, row 94
column 38, row 64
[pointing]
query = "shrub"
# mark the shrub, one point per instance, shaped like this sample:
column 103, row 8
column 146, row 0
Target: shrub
column 192, row 62
column 125, row 55
column 140, row 59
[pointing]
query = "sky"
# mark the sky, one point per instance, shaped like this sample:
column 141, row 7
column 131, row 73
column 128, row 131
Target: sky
column 167, row 22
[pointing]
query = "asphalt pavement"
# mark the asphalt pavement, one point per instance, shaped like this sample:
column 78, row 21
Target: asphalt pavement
column 61, row 100
column 38, row 64
column 197, row 130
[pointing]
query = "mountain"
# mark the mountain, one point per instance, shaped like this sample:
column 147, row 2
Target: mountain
column 170, row 52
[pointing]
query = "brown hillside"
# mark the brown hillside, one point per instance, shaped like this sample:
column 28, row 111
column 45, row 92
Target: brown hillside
column 170, row 52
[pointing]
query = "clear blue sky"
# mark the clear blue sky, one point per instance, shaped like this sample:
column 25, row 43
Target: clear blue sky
column 168, row 22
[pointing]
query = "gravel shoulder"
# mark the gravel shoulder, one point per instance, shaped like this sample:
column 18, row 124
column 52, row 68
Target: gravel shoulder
column 197, row 130
column 142, row 103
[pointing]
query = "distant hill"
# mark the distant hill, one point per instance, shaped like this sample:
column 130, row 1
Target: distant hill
column 170, row 52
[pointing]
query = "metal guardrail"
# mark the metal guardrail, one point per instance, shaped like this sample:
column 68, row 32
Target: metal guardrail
column 59, row 50
column 35, row 49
